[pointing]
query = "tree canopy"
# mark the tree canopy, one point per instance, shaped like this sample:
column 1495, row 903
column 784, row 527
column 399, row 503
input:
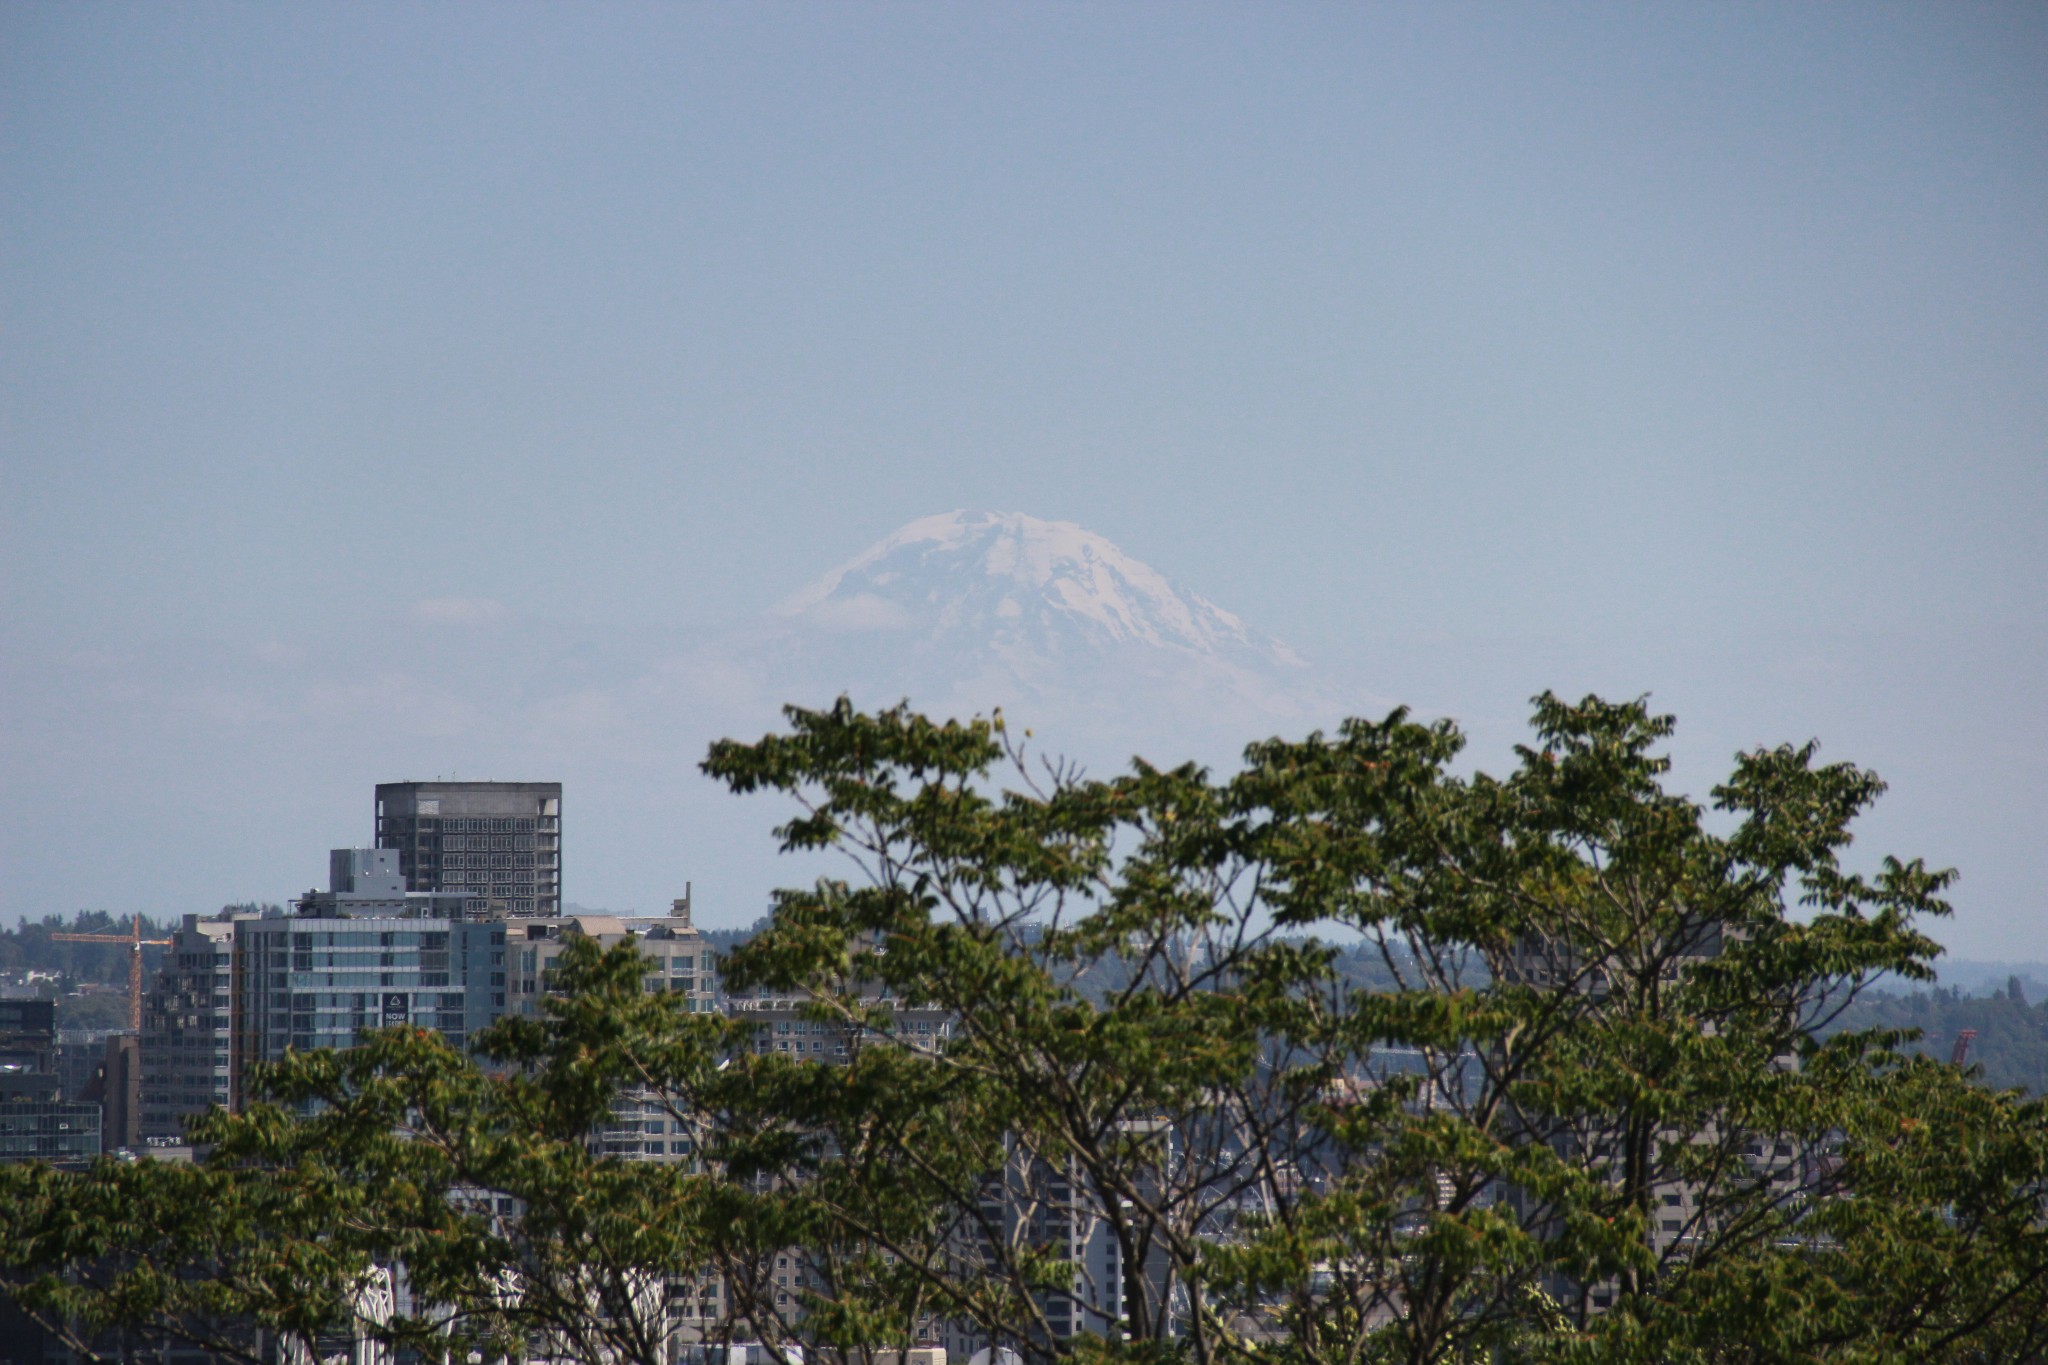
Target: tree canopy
column 1594, row 1104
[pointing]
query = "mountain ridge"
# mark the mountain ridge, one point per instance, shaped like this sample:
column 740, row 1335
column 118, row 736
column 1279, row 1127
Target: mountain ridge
column 1009, row 576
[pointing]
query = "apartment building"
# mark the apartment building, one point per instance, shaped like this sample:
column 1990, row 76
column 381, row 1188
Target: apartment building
column 680, row 963
column 188, row 1059
column 366, row 953
column 497, row 844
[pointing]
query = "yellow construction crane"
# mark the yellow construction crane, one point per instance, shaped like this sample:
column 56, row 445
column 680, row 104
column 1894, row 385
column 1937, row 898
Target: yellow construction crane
column 136, row 943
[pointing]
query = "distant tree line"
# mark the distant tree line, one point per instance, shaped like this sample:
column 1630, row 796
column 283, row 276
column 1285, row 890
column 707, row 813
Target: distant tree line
column 2009, row 1050
column 29, row 947
column 2011, row 1044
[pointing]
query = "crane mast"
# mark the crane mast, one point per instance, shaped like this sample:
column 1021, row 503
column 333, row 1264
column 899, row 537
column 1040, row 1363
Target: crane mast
column 136, row 943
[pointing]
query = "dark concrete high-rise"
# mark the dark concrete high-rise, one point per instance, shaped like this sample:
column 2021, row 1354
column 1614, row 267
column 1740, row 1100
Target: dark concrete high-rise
column 36, row 1122
column 499, row 844
column 188, row 1027
column 121, row 1093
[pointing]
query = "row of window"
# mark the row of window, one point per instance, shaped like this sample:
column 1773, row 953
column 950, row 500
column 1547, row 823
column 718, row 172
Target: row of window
column 307, row 1000
column 425, row 960
column 387, row 938
column 307, row 1042
column 402, row 979
column 829, row 1029
column 467, row 824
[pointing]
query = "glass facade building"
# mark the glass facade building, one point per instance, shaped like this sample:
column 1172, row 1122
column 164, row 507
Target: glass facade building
column 312, row 981
column 36, row 1122
column 365, row 954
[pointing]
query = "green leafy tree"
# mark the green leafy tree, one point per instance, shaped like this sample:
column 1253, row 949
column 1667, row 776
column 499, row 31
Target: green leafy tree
column 478, row 1175
column 1598, row 1084
column 1345, row 1057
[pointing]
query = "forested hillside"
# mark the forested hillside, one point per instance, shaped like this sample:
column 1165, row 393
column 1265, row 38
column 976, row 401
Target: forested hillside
column 88, row 980
column 28, row 947
column 2011, row 1046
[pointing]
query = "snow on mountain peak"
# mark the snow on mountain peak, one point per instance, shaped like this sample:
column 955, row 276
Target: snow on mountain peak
column 1022, row 583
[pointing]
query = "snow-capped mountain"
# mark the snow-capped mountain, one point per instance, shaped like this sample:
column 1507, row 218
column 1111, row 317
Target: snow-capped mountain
column 967, row 610
column 1014, row 583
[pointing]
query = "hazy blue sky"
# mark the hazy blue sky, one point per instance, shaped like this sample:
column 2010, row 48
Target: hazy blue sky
column 1690, row 349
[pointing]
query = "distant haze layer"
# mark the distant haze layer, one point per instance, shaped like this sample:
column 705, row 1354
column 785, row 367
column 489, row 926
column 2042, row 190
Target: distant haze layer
column 402, row 391
column 1100, row 655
